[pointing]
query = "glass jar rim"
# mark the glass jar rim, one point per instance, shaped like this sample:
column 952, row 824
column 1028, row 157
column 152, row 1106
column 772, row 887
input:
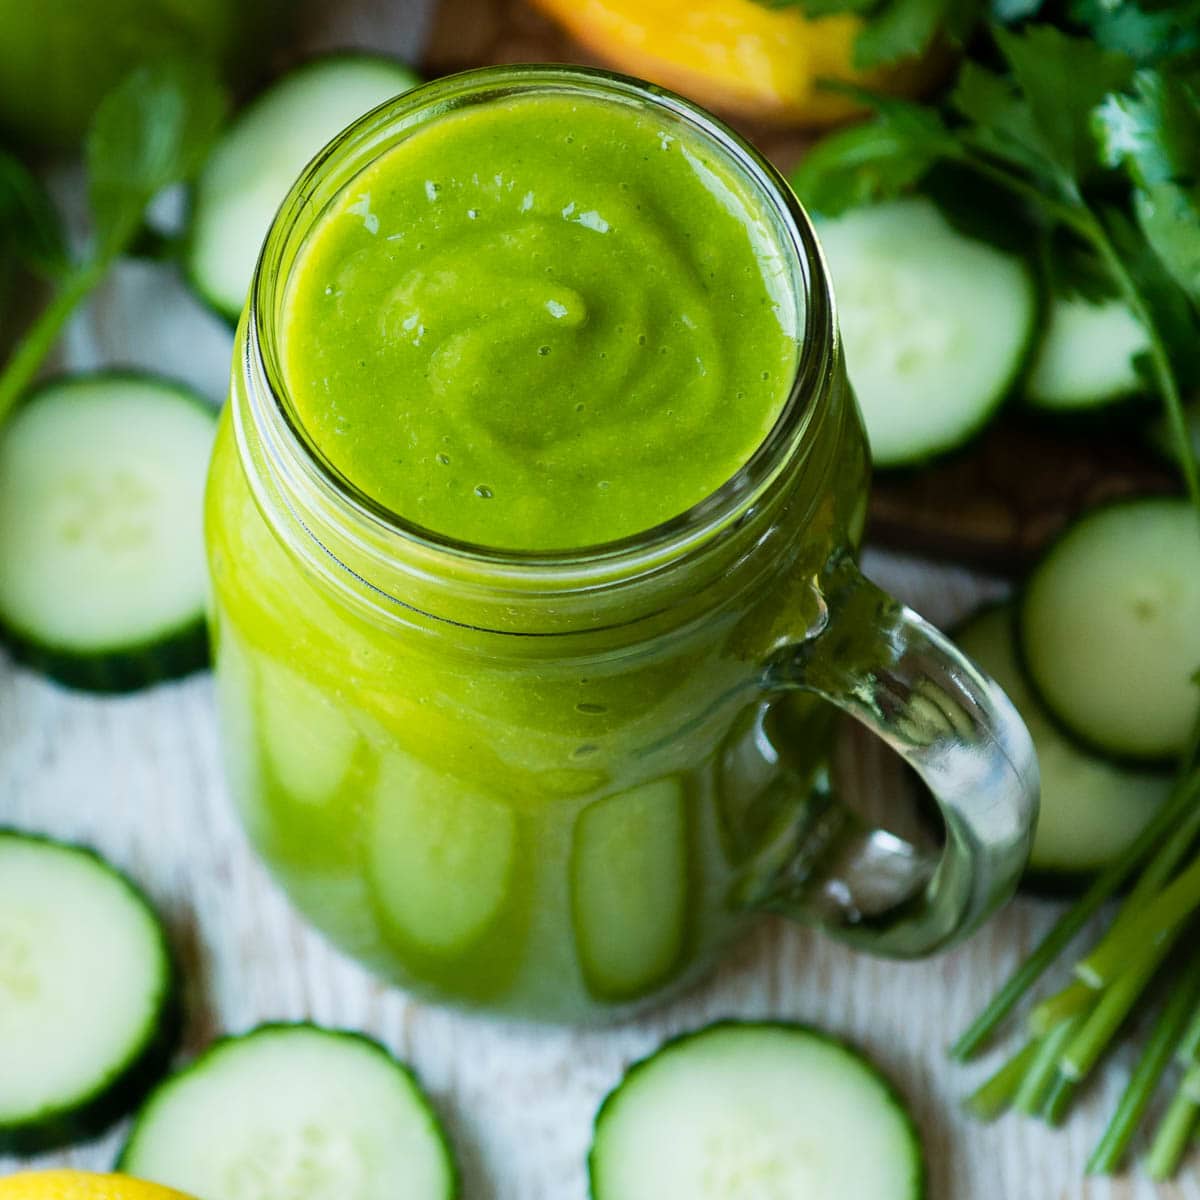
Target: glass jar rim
column 665, row 540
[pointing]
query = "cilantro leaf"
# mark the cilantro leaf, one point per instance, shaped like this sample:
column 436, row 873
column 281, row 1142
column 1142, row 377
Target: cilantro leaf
column 1008, row 12
column 1061, row 79
column 1154, row 133
column 1145, row 32
column 872, row 161
column 1175, row 321
column 30, row 228
column 151, row 131
column 901, row 29
column 1154, row 130
column 1002, row 123
column 1169, row 216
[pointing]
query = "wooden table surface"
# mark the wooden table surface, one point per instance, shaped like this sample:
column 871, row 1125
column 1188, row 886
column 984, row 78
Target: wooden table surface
column 139, row 778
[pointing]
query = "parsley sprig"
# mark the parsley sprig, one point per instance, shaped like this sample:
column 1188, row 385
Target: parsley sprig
column 1077, row 141
column 151, row 131
column 1089, row 147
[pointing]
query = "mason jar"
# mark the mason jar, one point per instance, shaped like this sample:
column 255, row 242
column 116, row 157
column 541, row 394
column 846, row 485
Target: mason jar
column 556, row 785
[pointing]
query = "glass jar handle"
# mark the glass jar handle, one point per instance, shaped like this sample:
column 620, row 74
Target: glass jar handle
column 889, row 669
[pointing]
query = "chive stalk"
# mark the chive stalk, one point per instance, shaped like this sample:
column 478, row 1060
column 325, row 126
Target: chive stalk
column 1175, row 1130
column 1178, row 820
column 1150, row 923
column 1162, row 1045
column 995, row 1095
column 1087, row 1047
column 1038, row 1082
column 1073, row 999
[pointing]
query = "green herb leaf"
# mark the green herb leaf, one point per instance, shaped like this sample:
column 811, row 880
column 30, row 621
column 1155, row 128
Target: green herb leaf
column 1154, row 133
column 1061, row 80
column 978, row 210
column 1154, row 130
column 873, row 161
column 1007, row 12
column 1003, row 122
column 901, row 29
column 1147, row 33
column 151, row 131
column 29, row 224
column 1169, row 216
column 1070, row 267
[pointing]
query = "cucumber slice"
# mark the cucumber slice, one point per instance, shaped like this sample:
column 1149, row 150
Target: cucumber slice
column 309, row 743
column 1092, row 810
column 629, row 888
column 102, row 576
column 1085, row 359
column 936, row 325
column 441, row 857
column 259, row 157
column 755, row 1110
column 1109, row 628
column 293, row 1112
column 89, row 1009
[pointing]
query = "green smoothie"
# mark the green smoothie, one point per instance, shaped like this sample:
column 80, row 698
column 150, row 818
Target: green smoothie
column 543, row 324
column 538, row 321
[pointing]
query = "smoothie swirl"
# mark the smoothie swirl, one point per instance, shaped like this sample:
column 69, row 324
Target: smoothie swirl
column 544, row 325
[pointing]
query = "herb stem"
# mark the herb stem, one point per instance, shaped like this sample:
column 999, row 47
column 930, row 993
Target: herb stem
column 1150, row 923
column 1093, row 1039
column 29, row 355
column 1073, row 999
column 1160, row 360
column 1038, row 1082
column 1176, row 1127
column 1059, row 1098
column 976, row 159
column 1189, row 1045
column 1179, row 807
column 1163, row 1042
column 996, row 1093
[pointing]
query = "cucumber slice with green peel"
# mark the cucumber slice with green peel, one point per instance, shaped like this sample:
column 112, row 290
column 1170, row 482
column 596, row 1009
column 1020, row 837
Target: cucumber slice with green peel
column 1086, row 358
column 936, row 326
column 309, row 743
column 1109, row 628
column 293, row 1112
column 441, row 856
column 1092, row 810
column 762, row 1109
column 89, row 1012
column 629, row 888
column 315, row 772
column 259, row 157
column 102, row 577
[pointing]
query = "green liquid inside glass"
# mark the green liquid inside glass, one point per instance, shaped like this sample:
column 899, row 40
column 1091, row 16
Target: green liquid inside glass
column 542, row 324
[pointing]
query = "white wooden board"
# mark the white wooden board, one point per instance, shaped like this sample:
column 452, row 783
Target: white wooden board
column 139, row 778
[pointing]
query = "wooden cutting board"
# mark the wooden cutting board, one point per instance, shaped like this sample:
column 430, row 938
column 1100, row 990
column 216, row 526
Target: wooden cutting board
column 995, row 505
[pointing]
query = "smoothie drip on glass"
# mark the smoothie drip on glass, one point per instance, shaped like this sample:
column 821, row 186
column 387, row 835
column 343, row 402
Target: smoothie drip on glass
column 541, row 324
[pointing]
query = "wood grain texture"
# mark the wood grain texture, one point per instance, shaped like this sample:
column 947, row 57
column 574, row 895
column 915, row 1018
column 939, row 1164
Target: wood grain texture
column 139, row 777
